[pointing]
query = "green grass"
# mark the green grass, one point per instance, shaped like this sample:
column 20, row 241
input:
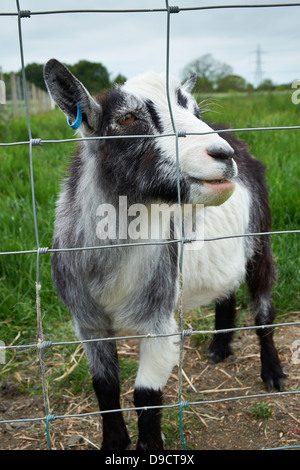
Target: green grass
column 260, row 411
column 278, row 150
column 18, row 272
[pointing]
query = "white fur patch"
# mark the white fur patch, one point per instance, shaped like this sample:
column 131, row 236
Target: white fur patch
column 218, row 266
column 193, row 157
column 158, row 356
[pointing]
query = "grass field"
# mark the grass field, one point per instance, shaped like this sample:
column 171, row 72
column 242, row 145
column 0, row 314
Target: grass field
column 279, row 150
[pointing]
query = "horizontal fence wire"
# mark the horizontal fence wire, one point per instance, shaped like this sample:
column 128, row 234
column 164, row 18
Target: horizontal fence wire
column 41, row 345
column 50, row 344
column 53, row 417
column 147, row 136
column 45, row 250
column 174, row 9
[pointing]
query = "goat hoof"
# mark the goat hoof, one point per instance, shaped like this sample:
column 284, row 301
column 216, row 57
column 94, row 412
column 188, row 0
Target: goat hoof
column 219, row 352
column 151, row 446
column 119, row 444
column 152, row 443
column 275, row 380
column 279, row 385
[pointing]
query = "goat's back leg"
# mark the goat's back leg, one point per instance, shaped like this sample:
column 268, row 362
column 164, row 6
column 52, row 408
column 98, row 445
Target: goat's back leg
column 225, row 312
column 260, row 276
column 104, row 367
column 158, row 356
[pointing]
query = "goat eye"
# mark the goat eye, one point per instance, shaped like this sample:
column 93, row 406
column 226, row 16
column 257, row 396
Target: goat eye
column 127, row 119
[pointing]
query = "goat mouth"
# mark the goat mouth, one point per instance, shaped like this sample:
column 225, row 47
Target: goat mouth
column 221, row 187
column 211, row 182
column 216, row 181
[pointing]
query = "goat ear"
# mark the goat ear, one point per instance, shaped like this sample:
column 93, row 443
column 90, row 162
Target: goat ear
column 190, row 83
column 72, row 97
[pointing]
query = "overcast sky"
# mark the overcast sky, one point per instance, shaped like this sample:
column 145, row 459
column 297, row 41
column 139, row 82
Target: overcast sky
column 132, row 43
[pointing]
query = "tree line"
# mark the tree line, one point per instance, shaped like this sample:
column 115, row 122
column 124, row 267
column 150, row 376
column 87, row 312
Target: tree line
column 215, row 76
column 212, row 76
column 93, row 75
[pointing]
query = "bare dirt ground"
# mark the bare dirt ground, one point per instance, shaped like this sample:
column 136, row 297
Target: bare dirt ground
column 227, row 425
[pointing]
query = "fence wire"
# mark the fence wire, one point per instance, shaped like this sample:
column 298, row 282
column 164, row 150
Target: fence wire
column 41, row 344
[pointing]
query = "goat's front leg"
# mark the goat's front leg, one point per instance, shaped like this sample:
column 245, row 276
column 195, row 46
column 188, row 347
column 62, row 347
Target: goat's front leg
column 104, row 367
column 149, row 421
column 158, row 356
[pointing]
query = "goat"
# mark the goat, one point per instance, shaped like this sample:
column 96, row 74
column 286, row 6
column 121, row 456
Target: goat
column 136, row 288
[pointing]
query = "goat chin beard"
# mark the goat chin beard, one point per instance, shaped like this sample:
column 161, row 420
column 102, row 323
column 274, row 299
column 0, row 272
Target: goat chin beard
column 212, row 193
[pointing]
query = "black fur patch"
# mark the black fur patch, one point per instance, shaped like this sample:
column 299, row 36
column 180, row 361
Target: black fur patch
column 150, row 437
column 155, row 117
column 181, row 99
column 115, row 436
column 135, row 168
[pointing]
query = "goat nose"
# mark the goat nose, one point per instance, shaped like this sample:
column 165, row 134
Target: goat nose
column 220, row 152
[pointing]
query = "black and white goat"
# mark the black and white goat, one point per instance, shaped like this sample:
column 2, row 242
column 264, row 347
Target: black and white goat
column 136, row 288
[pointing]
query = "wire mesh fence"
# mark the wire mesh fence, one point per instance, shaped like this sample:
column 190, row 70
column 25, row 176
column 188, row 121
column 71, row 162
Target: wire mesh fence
column 41, row 345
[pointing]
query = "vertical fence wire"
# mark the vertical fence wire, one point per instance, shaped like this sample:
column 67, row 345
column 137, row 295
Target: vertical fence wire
column 181, row 247
column 37, row 284
column 42, row 344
